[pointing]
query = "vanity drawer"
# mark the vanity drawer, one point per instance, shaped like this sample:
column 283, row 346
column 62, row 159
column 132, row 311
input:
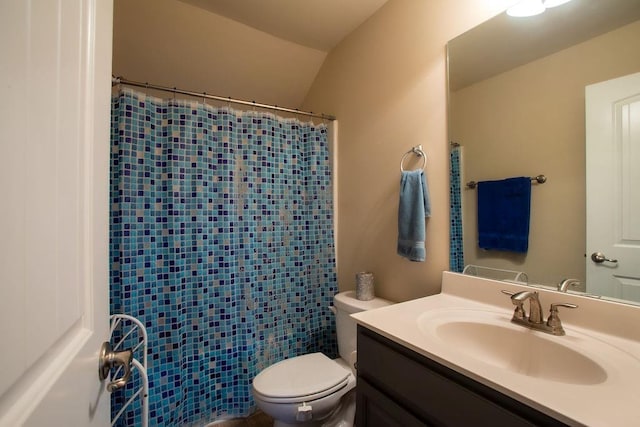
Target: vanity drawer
column 433, row 393
column 378, row 410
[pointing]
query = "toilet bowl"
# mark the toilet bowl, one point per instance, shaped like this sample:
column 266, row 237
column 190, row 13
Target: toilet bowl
column 313, row 390
column 302, row 389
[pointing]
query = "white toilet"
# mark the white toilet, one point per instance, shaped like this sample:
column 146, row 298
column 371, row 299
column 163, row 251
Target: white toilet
column 313, row 390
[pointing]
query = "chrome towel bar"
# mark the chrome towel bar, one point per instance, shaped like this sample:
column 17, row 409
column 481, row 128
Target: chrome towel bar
column 540, row 179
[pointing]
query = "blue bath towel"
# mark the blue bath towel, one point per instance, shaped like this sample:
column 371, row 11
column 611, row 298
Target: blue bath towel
column 414, row 207
column 503, row 214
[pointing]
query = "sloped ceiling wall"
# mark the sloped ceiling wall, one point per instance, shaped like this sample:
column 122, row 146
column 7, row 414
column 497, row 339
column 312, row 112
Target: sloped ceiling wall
column 320, row 24
column 175, row 44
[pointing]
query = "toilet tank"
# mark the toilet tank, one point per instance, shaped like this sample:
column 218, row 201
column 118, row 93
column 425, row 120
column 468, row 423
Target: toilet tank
column 346, row 304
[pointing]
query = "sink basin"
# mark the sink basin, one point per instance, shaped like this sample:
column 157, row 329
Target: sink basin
column 492, row 339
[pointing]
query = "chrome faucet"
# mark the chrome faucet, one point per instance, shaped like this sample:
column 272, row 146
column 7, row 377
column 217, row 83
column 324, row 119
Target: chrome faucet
column 566, row 283
column 535, row 320
column 535, row 309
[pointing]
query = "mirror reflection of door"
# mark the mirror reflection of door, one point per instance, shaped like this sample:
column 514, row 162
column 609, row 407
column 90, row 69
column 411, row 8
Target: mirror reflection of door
column 613, row 187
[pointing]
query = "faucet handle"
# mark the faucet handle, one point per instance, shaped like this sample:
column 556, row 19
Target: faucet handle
column 554, row 320
column 518, row 313
column 555, row 305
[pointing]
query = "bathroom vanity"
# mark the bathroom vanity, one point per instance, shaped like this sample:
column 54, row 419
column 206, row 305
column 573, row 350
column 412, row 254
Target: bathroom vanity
column 456, row 359
column 399, row 387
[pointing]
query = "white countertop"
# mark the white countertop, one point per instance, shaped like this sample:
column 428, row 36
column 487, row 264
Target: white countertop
column 614, row 401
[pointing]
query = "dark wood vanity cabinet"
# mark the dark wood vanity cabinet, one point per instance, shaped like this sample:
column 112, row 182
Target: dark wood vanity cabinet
column 399, row 387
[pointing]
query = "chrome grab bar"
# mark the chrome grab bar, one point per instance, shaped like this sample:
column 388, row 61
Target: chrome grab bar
column 110, row 359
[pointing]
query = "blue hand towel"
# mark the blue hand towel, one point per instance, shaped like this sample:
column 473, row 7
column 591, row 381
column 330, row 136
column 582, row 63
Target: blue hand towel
column 503, row 214
column 414, row 207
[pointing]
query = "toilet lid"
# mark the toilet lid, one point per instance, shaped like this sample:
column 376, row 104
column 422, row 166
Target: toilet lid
column 302, row 376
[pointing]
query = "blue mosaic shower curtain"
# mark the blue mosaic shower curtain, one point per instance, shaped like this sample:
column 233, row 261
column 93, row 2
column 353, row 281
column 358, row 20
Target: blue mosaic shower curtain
column 222, row 245
column 456, row 251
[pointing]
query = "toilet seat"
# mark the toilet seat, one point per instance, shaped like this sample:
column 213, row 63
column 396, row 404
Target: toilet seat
column 301, row 379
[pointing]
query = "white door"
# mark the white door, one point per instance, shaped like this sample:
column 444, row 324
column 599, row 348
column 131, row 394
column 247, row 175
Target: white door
column 613, row 187
column 54, row 135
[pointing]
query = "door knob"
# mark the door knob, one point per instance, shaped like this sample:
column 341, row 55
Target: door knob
column 598, row 258
column 110, row 359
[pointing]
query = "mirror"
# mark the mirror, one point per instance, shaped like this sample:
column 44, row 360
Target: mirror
column 517, row 108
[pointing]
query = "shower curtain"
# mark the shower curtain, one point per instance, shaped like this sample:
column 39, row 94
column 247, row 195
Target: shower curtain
column 456, row 251
column 221, row 243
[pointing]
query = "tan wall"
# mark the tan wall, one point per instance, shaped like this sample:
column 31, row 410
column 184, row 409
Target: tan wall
column 171, row 43
column 386, row 83
column 530, row 121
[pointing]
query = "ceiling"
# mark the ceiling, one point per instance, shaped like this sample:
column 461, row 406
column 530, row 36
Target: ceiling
column 318, row 24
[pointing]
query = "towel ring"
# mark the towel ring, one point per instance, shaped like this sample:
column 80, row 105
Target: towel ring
column 418, row 152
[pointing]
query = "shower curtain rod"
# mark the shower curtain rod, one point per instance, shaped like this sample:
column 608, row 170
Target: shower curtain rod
column 121, row 80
